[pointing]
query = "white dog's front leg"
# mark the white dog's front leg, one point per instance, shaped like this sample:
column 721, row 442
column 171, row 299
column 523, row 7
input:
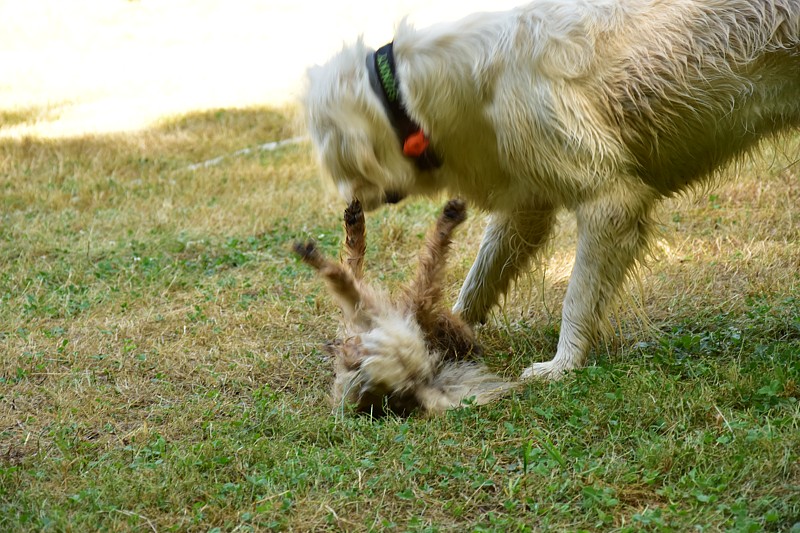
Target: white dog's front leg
column 612, row 236
column 510, row 241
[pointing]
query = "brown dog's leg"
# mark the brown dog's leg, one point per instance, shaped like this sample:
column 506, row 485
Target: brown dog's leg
column 340, row 281
column 355, row 241
column 445, row 332
column 425, row 291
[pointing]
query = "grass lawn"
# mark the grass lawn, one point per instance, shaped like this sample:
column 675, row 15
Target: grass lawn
column 161, row 365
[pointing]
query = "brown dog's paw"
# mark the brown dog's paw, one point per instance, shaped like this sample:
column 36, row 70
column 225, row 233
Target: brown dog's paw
column 353, row 214
column 455, row 210
column 305, row 250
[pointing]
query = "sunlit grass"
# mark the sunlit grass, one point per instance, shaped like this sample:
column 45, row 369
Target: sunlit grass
column 102, row 67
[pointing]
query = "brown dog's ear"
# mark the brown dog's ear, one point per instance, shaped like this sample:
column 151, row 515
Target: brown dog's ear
column 349, row 354
column 332, row 348
column 348, row 387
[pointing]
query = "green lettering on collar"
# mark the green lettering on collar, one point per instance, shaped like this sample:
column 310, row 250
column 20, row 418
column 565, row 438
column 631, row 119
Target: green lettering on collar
column 385, row 72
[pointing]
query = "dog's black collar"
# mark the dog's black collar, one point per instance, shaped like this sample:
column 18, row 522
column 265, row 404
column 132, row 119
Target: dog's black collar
column 383, row 79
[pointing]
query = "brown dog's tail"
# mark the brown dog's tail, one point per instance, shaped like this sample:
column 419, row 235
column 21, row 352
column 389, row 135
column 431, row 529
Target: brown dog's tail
column 462, row 383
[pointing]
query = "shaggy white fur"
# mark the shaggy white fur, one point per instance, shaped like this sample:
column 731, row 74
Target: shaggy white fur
column 599, row 106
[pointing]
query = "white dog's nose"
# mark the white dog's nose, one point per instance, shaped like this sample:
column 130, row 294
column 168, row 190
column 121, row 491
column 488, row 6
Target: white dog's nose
column 394, row 197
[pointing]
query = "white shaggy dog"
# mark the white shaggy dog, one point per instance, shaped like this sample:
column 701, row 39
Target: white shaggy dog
column 599, row 106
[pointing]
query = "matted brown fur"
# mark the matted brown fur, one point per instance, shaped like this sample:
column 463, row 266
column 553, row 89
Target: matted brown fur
column 406, row 353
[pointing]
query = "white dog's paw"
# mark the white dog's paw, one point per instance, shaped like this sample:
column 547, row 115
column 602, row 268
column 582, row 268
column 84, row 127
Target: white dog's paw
column 548, row 371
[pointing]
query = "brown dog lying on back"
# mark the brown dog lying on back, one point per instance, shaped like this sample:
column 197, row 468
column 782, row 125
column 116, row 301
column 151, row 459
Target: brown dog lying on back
column 407, row 353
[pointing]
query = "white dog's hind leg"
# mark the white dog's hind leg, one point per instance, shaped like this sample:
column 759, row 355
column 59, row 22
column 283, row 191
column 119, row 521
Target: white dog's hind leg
column 612, row 236
column 510, row 241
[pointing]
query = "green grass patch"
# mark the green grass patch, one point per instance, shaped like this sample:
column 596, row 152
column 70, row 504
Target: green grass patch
column 161, row 365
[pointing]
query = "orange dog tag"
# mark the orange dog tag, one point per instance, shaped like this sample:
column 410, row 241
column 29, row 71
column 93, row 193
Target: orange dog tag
column 415, row 144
